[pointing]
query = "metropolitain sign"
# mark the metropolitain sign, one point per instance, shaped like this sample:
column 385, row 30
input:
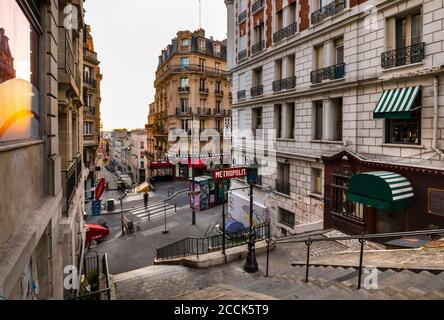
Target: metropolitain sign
column 231, row 173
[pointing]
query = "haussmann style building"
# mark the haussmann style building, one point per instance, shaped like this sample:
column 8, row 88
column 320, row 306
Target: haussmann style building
column 354, row 93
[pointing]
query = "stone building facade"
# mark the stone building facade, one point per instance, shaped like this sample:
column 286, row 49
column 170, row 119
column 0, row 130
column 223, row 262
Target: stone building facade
column 41, row 217
column 91, row 111
column 192, row 95
column 335, row 82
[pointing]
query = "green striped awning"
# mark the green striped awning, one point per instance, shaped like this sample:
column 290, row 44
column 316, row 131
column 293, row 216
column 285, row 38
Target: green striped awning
column 381, row 189
column 397, row 103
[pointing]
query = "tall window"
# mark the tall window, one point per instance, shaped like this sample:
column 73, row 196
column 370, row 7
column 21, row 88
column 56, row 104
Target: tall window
column 283, row 178
column 217, row 67
column 19, row 57
column 218, row 105
column 184, row 82
column 202, row 45
column 319, row 56
column 339, row 51
column 202, row 64
column 184, row 125
column 184, row 104
column 185, row 62
column 257, row 118
column 202, row 84
column 337, row 119
column 340, row 204
column 316, row 181
column 318, row 117
column 142, row 145
column 88, row 128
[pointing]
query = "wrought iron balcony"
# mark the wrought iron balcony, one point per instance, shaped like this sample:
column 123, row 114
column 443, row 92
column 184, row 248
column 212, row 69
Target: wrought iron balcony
column 284, row 84
column 329, row 73
column 403, row 56
column 203, row 112
column 90, row 82
column 242, row 55
column 242, row 17
column 285, row 32
column 183, row 111
column 218, row 92
column 259, row 4
column 257, row 91
column 329, row 10
column 282, row 187
column 241, row 95
column 220, row 112
column 258, row 47
column 203, row 90
column 184, row 89
column 72, row 177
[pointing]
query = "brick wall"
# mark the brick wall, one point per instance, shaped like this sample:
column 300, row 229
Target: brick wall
column 269, row 30
column 304, row 15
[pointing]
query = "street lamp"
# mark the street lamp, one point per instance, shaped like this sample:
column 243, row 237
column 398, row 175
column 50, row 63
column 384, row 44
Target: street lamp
column 251, row 265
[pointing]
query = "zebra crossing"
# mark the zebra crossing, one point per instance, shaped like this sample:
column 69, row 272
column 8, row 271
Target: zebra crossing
column 153, row 212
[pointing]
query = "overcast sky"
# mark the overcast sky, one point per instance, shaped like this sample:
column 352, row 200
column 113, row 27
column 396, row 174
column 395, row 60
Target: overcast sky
column 128, row 37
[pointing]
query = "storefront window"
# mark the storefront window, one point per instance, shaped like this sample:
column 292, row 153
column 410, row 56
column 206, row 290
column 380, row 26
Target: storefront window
column 19, row 96
column 340, row 204
column 404, row 131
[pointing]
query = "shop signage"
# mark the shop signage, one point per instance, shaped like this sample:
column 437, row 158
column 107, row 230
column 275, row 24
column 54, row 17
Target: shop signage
column 100, row 189
column 231, row 173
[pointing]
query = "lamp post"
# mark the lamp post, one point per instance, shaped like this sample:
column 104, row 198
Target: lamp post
column 223, row 209
column 251, row 265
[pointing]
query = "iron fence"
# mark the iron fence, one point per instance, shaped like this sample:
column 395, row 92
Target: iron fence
column 257, row 91
column 285, row 32
column 259, row 4
column 197, row 246
column 242, row 17
column 242, row 55
column 258, row 47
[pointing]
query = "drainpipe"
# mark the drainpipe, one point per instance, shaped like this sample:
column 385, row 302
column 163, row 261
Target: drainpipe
column 435, row 145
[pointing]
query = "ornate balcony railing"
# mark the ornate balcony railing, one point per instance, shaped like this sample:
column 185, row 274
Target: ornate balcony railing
column 284, row 84
column 331, row 9
column 218, row 92
column 259, row 4
column 329, row 73
column 242, row 17
column 241, row 95
column 242, row 55
column 189, row 68
column 90, row 82
column 184, row 89
column 204, row 91
column 285, row 32
column 183, row 111
column 257, row 91
column 203, row 112
column 72, row 177
column 220, row 112
column 403, row 56
column 258, row 47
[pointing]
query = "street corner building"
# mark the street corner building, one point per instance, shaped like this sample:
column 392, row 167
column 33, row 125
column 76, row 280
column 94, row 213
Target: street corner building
column 41, row 145
column 193, row 95
column 353, row 92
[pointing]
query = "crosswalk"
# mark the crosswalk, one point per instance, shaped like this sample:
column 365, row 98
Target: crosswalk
column 154, row 211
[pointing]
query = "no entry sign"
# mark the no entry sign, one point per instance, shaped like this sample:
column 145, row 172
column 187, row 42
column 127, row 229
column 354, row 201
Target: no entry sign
column 231, row 173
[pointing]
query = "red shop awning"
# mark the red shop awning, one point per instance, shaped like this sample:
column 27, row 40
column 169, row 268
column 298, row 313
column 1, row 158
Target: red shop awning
column 196, row 164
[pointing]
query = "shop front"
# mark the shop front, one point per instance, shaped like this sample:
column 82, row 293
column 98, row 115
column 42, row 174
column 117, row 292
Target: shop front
column 184, row 171
column 365, row 196
column 160, row 171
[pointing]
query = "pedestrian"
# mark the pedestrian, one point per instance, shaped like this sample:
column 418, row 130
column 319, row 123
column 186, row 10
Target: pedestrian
column 145, row 199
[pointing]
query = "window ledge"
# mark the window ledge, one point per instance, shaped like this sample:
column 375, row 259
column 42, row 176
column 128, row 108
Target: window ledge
column 407, row 66
column 316, row 195
column 327, row 142
column 329, row 18
column 400, row 145
column 286, row 139
column 283, row 195
column 20, row 144
column 324, row 82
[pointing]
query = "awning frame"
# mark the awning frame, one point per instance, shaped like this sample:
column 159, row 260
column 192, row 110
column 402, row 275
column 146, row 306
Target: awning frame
column 397, row 103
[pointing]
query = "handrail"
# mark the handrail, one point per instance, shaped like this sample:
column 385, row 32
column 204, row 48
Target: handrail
column 361, row 238
column 364, row 236
column 202, row 245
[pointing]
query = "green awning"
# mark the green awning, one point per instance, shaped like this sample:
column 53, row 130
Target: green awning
column 381, row 189
column 397, row 103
